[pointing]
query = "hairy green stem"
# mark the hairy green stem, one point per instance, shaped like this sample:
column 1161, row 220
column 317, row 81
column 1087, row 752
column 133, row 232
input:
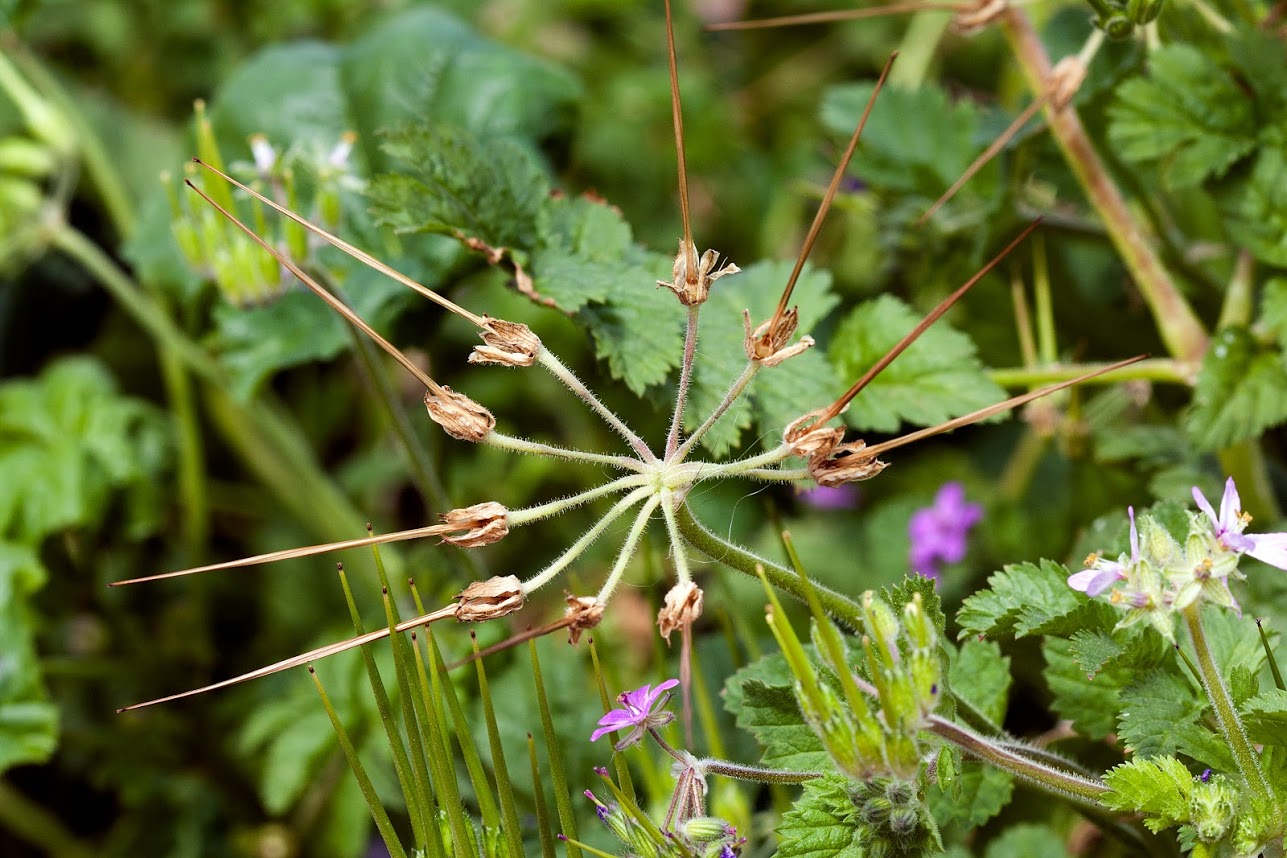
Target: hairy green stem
column 729, row 769
column 574, row 384
column 1222, row 704
column 730, row 397
column 836, row 605
column 685, row 379
column 628, row 549
column 1180, row 329
column 573, row 551
column 536, row 448
column 519, row 517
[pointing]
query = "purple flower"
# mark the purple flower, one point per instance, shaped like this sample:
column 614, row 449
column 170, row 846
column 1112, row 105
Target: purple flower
column 831, row 497
column 938, row 532
column 1101, row 574
column 642, row 709
column 1268, row 548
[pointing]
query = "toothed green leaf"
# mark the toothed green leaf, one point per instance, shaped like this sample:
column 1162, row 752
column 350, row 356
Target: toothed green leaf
column 1022, row 599
column 1238, row 392
column 822, row 823
column 937, row 378
column 1159, row 788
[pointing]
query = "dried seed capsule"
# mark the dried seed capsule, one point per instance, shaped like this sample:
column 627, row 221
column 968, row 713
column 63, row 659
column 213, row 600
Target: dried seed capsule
column 767, row 344
column 487, row 600
column 585, row 612
column 845, row 463
column 507, row 343
column 693, row 287
column 472, row 526
column 683, row 605
column 458, row 415
column 808, row 440
column 969, row 21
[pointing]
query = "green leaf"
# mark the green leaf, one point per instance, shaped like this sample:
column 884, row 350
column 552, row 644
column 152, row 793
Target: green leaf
column 1160, row 717
column 1092, row 705
column 771, row 714
column 917, row 141
column 939, row 376
column 1253, row 206
column 977, row 794
column 639, row 332
column 1138, row 647
column 453, row 182
column 28, row 721
column 1273, row 308
column 1238, row 392
column 822, row 823
column 778, row 394
column 67, row 440
column 981, row 675
column 426, row 63
column 1265, row 717
column 1027, row 839
column 1159, row 787
column 1022, row 599
column 1189, row 112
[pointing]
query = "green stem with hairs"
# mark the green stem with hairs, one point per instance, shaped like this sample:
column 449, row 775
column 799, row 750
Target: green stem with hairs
column 1154, row 369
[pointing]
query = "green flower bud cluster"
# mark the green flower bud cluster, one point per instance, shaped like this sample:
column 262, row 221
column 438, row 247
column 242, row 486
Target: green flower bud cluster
column 1119, row 18
column 697, row 837
column 895, row 816
column 28, row 162
column 866, row 737
column 217, row 249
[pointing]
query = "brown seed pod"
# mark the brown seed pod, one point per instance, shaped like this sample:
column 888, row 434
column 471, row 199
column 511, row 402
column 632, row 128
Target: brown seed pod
column 487, row 600
column 472, row 526
column 506, row 343
column 458, row 415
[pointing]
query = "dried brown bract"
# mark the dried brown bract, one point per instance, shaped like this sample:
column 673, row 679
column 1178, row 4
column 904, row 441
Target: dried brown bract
column 978, row 15
column 845, row 464
column 472, row 526
column 583, row 614
column 767, row 344
column 693, row 287
column 809, row 440
column 506, row 343
column 683, row 605
column 458, row 415
column 487, row 600
column 1064, row 81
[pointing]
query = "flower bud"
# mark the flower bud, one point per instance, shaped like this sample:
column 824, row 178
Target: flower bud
column 845, row 463
column 487, row 600
column 693, row 287
column 926, row 672
column 1212, row 806
column 881, row 626
column 458, row 415
column 839, row 736
column 472, row 526
column 682, row 607
column 507, row 343
column 585, row 613
column 768, row 345
column 920, row 631
column 27, row 158
column 701, row 829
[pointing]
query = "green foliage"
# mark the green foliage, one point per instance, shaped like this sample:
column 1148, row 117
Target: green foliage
column 823, row 823
column 1237, row 393
column 980, row 674
column 28, row 721
column 937, row 378
column 1023, row 599
column 1160, row 788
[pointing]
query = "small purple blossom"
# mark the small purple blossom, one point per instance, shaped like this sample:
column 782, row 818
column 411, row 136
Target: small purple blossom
column 642, row 709
column 1101, row 574
column 1205, row 776
column 1268, row 548
column 938, row 532
column 831, row 497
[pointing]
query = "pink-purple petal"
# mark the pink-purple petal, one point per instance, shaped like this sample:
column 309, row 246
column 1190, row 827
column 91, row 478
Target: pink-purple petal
column 1230, row 506
column 1268, row 548
column 1205, row 505
column 1092, row 582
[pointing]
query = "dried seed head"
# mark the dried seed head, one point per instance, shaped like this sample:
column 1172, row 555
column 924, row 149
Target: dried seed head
column 970, row 21
column 507, row 343
column 808, row 440
column 487, row 600
column 767, row 344
column 583, row 614
column 1064, row 81
column 472, row 526
column 458, row 415
column 693, row 287
column 682, row 607
column 844, row 464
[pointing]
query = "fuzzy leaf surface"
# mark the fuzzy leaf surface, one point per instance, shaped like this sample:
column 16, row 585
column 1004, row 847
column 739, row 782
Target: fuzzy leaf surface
column 822, row 823
column 1238, row 395
column 1021, row 599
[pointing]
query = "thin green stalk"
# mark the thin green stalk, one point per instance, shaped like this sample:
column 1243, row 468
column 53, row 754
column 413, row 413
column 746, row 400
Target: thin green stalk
column 504, row 789
column 562, row 799
column 1245, row 462
column 1047, row 345
column 1239, row 296
column 1154, row 369
column 706, row 710
column 1222, row 704
column 392, row 732
column 438, row 746
column 373, row 803
column 618, row 760
column 836, row 605
column 916, row 51
column 193, row 488
column 487, row 808
column 730, row 397
column 542, row 811
column 34, row 824
column 1178, row 325
column 1269, row 656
